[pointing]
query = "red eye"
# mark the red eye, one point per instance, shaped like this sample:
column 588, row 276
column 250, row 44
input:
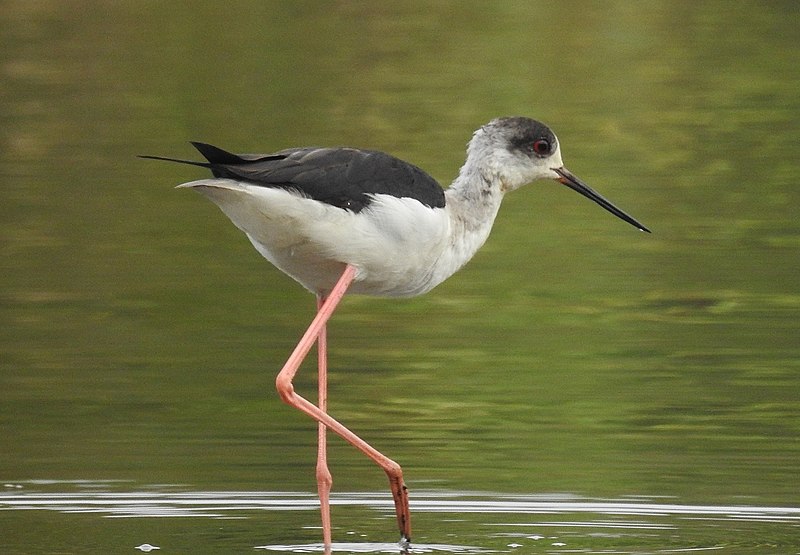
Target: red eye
column 541, row 147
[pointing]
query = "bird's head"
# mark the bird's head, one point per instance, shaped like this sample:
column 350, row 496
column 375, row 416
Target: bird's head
column 518, row 150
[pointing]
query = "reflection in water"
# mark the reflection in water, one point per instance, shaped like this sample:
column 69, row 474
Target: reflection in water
column 366, row 547
column 219, row 504
column 593, row 516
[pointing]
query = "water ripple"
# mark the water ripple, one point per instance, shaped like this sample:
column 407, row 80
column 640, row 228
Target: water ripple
column 226, row 504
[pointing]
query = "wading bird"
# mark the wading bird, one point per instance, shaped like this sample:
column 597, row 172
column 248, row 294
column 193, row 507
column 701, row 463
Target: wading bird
column 343, row 220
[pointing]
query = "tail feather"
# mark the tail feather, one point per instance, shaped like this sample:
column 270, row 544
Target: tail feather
column 218, row 159
column 179, row 161
column 216, row 155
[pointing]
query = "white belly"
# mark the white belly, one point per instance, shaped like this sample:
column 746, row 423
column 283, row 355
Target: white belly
column 396, row 244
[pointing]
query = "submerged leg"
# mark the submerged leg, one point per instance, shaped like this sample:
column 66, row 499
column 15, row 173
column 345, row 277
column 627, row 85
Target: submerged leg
column 286, row 391
column 324, row 479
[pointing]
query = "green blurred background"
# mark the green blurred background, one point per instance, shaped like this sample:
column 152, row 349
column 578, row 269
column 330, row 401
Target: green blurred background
column 140, row 332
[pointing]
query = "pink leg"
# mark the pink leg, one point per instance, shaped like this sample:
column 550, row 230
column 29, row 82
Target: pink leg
column 286, row 392
column 324, row 478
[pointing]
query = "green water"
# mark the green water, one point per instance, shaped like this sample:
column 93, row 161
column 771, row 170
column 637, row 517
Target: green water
column 573, row 360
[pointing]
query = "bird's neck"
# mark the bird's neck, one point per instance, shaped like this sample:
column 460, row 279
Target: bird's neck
column 473, row 201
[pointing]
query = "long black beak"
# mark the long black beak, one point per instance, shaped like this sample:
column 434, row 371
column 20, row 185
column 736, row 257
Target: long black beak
column 568, row 179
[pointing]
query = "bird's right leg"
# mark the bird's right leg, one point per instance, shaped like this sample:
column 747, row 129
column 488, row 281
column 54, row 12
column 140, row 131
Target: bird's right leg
column 286, row 391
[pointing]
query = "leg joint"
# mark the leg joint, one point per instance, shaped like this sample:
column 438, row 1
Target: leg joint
column 285, row 388
column 393, row 471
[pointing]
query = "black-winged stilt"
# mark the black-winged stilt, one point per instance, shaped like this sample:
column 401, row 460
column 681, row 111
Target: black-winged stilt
column 348, row 220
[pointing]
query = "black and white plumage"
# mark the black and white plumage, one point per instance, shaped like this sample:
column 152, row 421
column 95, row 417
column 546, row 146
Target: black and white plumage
column 311, row 211
column 343, row 220
column 342, row 177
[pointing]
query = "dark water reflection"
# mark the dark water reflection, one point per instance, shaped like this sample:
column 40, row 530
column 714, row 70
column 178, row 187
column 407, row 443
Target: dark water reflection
column 140, row 333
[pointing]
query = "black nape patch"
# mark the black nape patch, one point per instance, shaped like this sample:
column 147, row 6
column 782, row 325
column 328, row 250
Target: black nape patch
column 524, row 132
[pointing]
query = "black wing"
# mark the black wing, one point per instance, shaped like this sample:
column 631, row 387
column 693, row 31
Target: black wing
column 342, row 177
